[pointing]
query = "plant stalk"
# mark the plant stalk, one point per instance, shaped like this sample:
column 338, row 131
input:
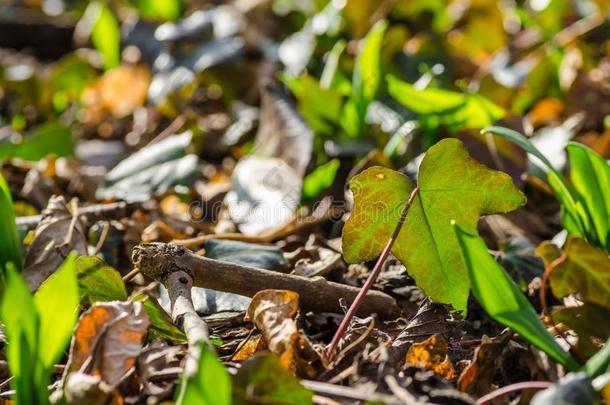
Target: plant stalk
column 353, row 309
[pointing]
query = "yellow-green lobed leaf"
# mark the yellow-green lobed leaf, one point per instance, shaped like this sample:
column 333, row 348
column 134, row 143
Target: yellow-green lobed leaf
column 452, row 186
column 586, row 270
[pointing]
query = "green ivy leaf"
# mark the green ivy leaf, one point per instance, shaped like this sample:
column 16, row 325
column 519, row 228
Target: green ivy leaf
column 501, row 298
column 586, row 270
column 452, row 186
column 98, row 281
column 212, row 383
column 321, row 178
column 161, row 326
column 263, row 379
column 43, row 140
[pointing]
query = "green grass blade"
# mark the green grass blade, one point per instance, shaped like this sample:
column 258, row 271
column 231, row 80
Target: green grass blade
column 57, row 302
column 10, row 246
column 502, row 300
column 572, row 215
column 20, row 320
column 590, row 176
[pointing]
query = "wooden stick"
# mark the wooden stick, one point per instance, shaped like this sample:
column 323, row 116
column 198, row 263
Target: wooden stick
column 159, row 260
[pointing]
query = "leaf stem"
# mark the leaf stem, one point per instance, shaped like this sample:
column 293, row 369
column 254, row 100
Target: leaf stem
column 509, row 389
column 353, row 309
column 545, row 308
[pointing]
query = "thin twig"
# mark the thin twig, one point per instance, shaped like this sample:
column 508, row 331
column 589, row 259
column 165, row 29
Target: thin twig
column 545, row 308
column 129, row 276
column 171, row 129
column 353, row 309
column 509, row 389
column 102, row 239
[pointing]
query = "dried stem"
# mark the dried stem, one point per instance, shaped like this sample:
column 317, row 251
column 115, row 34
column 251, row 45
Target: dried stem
column 545, row 308
column 509, row 389
column 353, row 309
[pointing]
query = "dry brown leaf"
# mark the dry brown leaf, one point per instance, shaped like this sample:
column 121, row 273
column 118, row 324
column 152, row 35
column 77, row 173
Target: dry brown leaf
column 108, row 340
column 432, row 355
column 118, row 92
column 476, row 379
column 56, row 235
column 546, row 112
column 273, row 313
column 253, row 345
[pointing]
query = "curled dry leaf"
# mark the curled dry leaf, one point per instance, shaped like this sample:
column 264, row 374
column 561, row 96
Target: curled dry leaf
column 273, row 312
column 430, row 319
column 476, row 379
column 57, row 234
column 107, row 341
column 432, row 355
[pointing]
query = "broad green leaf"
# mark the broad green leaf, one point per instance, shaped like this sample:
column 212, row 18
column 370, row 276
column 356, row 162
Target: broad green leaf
column 451, row 108
column 165, row 10
column 600, row 363
column 20, row 320
column 589, row 321
column 586, row 271
column 478, row 112
column 105, row 33
column 10, row 247
column 57, row 302
column 452, row 186
column 98, row 281
column 212, row 383
column 161, row 326
column 590, row 176
column 46, row 139
column 426, row 101
column 349, row 119
column 263, row 379
column 501, row 298
column 320, row 107
column 320, row 179
column 367, row 73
